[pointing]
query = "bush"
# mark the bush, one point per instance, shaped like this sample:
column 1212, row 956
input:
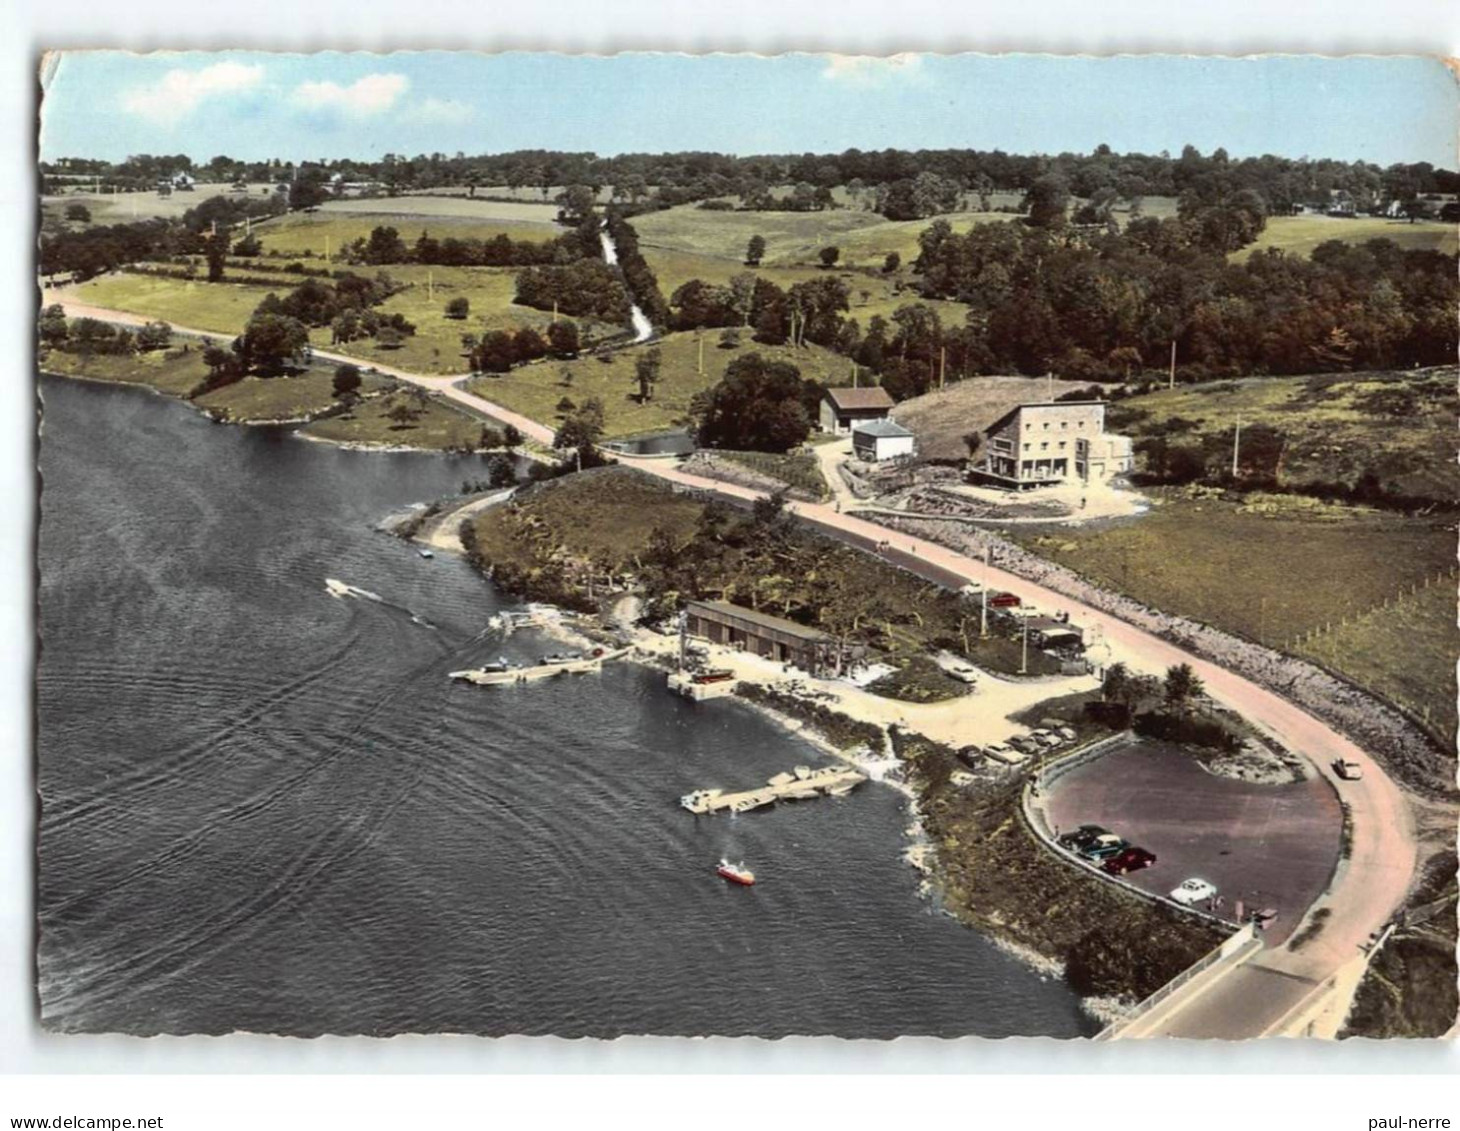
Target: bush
column 458, row 308
column 1187, row 730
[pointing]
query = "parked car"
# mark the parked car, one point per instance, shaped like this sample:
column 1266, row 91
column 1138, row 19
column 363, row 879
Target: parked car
column 971, row 756
column 1005, row 754
column 1078, row 838
column 1193, row 891
column 1133, row 859
column 963, row 673
column 1067, row 733
column 1348, row 771
column 1104, row 847
column 1263, row 919
column 1005, row 601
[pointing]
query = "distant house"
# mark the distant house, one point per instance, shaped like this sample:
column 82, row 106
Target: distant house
column 882, row 439
column 843, row 407
column 183, row 182
column 762, row 634
column 1053, row 442
column 1047, row 632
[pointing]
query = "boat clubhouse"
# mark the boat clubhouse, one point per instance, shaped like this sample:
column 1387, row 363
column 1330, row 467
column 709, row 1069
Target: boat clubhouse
column 762, row 634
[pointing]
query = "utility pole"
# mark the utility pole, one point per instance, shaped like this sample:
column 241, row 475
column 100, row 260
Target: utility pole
column 430, row 285
column 1236, row 445
column 326, row 249
column 942, row 367
column 700, row 334
column 983, row 624
column 1171, row 381
column 554, row 322
column 1024, row 654
column 1049, row 384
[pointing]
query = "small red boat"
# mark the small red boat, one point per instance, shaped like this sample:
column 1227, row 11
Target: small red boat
column 735, row 873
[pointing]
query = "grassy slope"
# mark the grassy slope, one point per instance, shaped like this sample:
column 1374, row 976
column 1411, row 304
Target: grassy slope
column 800, row 470
column 1330, row 437
column 1274, row 575
column 279, row 398
column 941, row 419
column 535, row 390
column 434, row 348
column 610, row 514
column 440, row 425
column 298, row 233
column 1299, row 235
column 168, row 371
column 410, row 208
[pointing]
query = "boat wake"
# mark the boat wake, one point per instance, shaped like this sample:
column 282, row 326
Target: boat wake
column 339, row 590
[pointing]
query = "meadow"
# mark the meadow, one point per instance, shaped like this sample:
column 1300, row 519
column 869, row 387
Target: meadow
column 1399, row 425
column 176, row 372
column 1299, row 235
column 437, row 425
column 270, row 399
column 1280, row 569
column 125, row 207
column 413, row 208
column 535, row 390
column 309, row 234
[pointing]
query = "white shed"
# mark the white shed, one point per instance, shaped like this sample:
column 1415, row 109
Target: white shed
column 878, row 440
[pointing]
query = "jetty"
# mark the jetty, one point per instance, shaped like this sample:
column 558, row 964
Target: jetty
column 803, row 783
column 502, row 673
column 700, row 686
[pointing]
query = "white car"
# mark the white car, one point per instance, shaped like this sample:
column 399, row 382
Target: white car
column 963, row 673
column 1193, row 891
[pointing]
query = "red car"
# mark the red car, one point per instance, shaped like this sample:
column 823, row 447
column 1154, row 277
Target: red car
column 1005, row 601
column 1132, row 859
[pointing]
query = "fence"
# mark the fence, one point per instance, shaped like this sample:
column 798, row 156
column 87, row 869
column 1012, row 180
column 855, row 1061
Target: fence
column 1232, row 951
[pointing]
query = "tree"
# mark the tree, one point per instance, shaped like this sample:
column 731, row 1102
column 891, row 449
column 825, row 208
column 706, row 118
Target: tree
column 581, row 431
column 891, row 263
column 154, row 336
column 389, row 338
column 271, row 343
column 496, row 353
column 575, row 204
column 384, row 246
column 1180, row 687
column 565, row 405
column 758, row 405
column 308, row 189
column 646, row 371
column 458, row 308
column 501, row 471
column 755, row 251
column 729, row 338
column 78, row 213
column 216, row 249
column 53, row 327
column 563, row 339
column 829, row 256
column 248, row 247
column 1046, row 201
column 511, row 437
column 347, row 380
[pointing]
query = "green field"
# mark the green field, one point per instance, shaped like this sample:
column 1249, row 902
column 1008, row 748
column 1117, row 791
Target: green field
column 1276, row 568
column 126, row 207
column 439, row 425
column 800, row 470
column 220, row 307
column 535, row 390
column 1401, row 425
column 410, row 209
column 1299, row 235
column 298, row 233
column 1406, row 652
column 794, row 238
column 435, row 347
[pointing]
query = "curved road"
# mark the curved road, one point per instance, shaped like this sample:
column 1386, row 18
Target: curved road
column 1367, row 887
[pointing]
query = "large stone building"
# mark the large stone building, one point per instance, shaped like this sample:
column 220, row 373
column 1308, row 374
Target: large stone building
column 842, row 409
column 1053, row 442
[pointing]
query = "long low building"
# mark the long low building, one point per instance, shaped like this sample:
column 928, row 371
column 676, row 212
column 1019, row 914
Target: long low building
column 761, row 634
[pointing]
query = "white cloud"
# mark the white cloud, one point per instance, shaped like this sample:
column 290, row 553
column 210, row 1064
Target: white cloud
column 373, row 94
column 870, row 70
column 178, row 93
column 437, row 111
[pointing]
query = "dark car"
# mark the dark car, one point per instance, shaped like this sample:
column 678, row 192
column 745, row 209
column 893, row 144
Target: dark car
column 1132, row 859
column 1104, row 847
column 1078, row 838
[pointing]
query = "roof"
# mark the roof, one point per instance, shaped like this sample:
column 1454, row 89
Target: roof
column 1051, row 626
column 881, row 428
column 761, row 620
column 867, row 396
column 1017, row 409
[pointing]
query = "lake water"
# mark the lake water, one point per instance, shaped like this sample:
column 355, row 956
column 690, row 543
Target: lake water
column 267, row 809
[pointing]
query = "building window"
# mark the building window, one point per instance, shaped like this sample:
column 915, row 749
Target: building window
column 1044, row 445
column 1046, row 425
column 1064, row 424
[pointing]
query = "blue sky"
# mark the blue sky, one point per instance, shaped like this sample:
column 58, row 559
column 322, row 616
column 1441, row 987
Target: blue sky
column 254, row 104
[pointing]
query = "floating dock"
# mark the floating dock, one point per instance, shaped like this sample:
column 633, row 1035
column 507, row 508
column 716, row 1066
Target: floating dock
column 800, row 785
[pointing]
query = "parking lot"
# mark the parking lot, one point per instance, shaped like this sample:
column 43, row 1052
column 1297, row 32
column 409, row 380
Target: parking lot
column 1265, row 845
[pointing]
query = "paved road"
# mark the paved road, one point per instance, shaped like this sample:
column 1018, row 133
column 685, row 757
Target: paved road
column 1368, row 886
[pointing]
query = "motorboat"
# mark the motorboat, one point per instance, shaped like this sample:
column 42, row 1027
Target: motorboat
column 735, row 873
